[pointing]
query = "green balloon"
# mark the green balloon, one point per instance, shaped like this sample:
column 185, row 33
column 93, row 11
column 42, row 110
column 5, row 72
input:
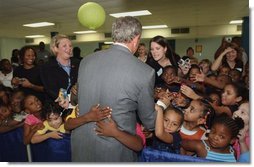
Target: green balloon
column 91, row 15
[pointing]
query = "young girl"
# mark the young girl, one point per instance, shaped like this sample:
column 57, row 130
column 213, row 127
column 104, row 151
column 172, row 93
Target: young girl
column 243, row 112
column 217, row 147
column 232, row 95
column 16, row 99
column 195, row 116
column 53, row 125
column 6, row 121
column 33, row 122
column 167, row 128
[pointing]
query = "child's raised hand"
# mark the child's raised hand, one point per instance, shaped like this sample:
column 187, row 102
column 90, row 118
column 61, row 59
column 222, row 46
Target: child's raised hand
column 106, row 128
column 189, row 92
column 55, row 135
column 166, row 97
column 199, row 77
column 97, row 113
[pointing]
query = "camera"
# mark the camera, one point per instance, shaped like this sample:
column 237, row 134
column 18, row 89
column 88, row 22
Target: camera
column 228, row 39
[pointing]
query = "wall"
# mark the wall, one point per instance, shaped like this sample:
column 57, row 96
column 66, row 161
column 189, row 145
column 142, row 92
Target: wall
column 209, row 46
column 8, row 44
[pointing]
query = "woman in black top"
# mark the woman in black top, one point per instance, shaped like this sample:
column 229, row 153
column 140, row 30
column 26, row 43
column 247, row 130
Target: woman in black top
column 162, row 55
column 27, row 76
column 60, row 71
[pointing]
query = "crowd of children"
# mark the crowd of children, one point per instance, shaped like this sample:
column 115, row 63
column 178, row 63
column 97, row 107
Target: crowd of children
column 203, row 112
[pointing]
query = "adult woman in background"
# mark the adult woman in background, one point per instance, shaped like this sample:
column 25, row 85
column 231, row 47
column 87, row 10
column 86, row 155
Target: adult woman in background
column 162, row 55
column 231, row 57
column 60, row 71
column 27, row 76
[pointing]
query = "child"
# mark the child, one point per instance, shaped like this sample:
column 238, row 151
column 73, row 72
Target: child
column 53, row 125
column 96, row 113
column 217, row 147
column 6, row 121
column 16, row 99
column 195, row 116
column 205, row 66
column 169, row 76
column 235, row 75
column 231, row 96
column 33, row 122
column 167, row 128
column 244, row 138
column 109, row 128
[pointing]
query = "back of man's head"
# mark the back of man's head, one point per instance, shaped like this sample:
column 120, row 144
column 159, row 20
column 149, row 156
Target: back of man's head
column 125, row 29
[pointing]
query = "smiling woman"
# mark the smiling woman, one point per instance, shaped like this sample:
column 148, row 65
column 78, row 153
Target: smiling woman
column 27, row 76
column 60, row 71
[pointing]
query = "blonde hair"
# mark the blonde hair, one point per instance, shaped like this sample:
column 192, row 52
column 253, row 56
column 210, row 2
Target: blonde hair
column 56, row 40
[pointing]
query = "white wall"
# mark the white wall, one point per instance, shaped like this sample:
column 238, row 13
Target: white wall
column 8, row 44
column 209, row 46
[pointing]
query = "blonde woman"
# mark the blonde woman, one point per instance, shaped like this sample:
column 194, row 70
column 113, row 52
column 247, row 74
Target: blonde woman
column 60, row 71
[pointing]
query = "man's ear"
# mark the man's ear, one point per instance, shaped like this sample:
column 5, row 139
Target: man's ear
column 136, row 40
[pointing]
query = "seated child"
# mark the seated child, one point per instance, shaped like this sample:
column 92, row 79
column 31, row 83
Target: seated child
column 217, row 147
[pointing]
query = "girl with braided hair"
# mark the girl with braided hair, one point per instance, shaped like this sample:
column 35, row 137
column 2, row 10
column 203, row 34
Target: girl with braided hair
column 217, row 147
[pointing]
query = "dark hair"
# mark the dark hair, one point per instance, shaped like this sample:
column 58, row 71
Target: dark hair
column 234, row 126
column 238, row 50
column 23, row 51
column 51, row 108
column 164, row 43
column 170, row 67
column 208, row 113
column 14, row 56
column 179, row 112
column 76, row 52
column 240, row 90
column 189, row 48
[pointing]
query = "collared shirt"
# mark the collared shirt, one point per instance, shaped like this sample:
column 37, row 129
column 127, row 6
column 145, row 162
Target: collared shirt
column 121, row 44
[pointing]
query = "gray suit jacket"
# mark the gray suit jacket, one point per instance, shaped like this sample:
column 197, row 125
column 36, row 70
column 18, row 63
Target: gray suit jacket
column 114, row 78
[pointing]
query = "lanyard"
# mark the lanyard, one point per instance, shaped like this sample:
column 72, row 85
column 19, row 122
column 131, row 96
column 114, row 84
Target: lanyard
column 67, row 69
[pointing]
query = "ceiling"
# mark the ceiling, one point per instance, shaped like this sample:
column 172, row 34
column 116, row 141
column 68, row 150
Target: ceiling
column 174, row 13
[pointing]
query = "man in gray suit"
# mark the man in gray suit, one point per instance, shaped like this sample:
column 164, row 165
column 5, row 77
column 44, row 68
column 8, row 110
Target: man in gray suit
column 114, row 78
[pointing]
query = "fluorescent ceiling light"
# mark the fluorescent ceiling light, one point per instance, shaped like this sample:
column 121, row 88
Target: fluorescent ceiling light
column 84, row 32
column 108, row 43
column 34, row 36
column 236, row 22
column 134, row 13
column 40, row 24
column 154, row 26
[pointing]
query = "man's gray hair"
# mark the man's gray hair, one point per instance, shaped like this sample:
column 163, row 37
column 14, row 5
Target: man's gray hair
column 125, row 29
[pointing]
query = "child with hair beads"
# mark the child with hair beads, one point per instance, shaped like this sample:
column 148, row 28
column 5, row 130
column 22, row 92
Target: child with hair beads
column 195, row 117
column 33, row 122
column 243, row 113
column 218, row 145
column 167, row 126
